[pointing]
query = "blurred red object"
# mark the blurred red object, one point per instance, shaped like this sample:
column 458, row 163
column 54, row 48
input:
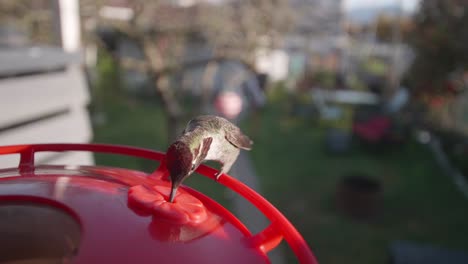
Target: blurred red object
column 372, row 130
column 228, row 104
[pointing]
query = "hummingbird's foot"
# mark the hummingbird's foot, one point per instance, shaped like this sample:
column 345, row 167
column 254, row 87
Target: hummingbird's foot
column 218, row 175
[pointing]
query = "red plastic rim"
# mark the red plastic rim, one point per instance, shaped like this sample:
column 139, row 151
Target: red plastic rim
column 267, row 239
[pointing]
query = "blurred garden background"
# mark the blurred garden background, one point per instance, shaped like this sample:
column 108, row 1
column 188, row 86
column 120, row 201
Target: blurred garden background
column 358, row 110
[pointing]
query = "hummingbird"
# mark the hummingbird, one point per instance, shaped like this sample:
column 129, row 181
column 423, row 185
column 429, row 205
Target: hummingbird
column 205, row 137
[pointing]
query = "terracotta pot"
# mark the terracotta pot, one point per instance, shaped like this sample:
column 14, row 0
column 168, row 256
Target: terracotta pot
column 359, row 196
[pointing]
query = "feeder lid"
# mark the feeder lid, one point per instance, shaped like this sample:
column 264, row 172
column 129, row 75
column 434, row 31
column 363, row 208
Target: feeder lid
column 123, row 217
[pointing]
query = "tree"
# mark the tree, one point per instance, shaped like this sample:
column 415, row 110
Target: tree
column 385, row 27
column 35, row 19
column 438, row 74
column 440, row 41
column 234, row 30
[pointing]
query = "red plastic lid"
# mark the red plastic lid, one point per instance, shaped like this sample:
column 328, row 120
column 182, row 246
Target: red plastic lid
column 124, row 216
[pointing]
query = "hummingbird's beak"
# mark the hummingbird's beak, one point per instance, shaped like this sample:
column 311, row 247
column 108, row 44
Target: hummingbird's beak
column 173, row 192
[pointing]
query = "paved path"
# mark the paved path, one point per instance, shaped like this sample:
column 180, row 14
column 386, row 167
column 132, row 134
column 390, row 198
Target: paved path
column 444, row 162
column 255, row 221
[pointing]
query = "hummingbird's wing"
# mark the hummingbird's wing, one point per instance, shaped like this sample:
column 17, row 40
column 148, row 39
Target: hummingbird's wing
column 199, row 121
column 205, row 148
column 201, row 151
column 235, row 136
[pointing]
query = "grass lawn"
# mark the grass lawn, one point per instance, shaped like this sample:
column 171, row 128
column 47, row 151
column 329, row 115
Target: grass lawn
column 420, row 203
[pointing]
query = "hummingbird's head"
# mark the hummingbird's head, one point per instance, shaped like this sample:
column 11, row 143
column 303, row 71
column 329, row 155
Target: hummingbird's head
column 179, row 163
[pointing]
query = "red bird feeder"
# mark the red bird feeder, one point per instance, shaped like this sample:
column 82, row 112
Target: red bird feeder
column 92, row 214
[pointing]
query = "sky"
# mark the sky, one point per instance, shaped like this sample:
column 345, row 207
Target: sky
column 408, row 5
